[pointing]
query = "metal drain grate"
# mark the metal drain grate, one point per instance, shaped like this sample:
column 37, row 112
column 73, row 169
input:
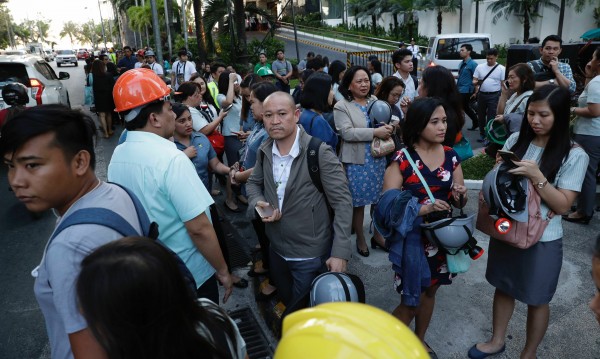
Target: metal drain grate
column 257, row 345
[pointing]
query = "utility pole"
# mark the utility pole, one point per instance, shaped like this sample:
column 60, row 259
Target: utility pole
column 168, row 26
column 156, row 29
column 102, row 22
column 295, row 31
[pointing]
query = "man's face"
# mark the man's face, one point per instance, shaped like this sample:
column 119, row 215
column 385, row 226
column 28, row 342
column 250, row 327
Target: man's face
column 406, row 65
column 41, row 176
column 491, row 60
column 217, row 74
column 166, row 120
column 464, row 53
column 127, row 52
column 183, row 58
column 280, row 55
column 550, row 50
column 280, row 117
column 150, row 59
column 263, row 58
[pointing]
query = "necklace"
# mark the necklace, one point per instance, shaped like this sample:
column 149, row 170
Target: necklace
column 283, row 167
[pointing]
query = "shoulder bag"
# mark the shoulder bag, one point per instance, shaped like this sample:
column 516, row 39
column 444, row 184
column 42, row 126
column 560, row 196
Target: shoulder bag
column 89, row 90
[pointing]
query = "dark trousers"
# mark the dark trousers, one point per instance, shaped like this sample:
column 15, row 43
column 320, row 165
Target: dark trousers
column 209, row 289
column 293, row 278
column 587, row 197
column 487, row 106
column 282, row 87
column 265, row 243
column 415, row 66
column 466, row 99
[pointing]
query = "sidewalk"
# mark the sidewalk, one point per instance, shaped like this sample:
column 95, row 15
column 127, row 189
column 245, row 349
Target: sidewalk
column 463, row 311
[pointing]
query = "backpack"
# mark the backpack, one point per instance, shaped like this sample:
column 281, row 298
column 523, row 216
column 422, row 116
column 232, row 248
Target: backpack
column 108, row 218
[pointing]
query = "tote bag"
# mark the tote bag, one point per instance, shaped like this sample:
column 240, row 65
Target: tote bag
column 89, row 90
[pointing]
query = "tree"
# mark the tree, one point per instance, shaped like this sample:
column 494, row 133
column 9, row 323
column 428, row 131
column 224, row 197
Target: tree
column 441, row 6
column 199, row 29
column 579, row 5
column 356, row 8
column 90, row 33
column 525, row 9
column 71, row 30
column 120, row 9
column 22, row 33
column 407, row 8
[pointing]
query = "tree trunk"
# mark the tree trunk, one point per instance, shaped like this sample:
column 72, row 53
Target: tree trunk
column 561, row 17
column 240, row 24
column 374, row 24
column 126, row 32
column 476, row 16
column 200, row 34
column 439, row 21
column 356, row 19
column 525, row 25
column 396, row 25
column 460, row 16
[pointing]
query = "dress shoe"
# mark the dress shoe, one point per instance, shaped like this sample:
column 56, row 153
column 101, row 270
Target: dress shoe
column 242, row 283
column 262, row 297
column 364, row 253
column 254, row 274
column 580, row 220
column 374, row 245
column 475, row 353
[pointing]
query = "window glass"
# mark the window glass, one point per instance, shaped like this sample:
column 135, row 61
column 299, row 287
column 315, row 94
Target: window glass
column 448, row 49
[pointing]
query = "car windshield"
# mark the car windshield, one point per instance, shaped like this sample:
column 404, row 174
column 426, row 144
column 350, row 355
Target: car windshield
column 64, row 52
column 448, row 49
column 10, row 72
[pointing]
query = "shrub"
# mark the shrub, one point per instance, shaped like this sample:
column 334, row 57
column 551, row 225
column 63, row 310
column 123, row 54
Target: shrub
column 476, row 167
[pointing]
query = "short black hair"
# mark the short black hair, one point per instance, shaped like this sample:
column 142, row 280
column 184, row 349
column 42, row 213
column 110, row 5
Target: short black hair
column 186, row 89
column 127, row 48
column 215, row 66
column 417, row 118
column 262, row 90
column 310, row 54
column 73, row 130
column 469, row 47
column 533, row 40
column 399, row 55
column 552, row 38
column 492, row 52
column 347, row 79
column 315, row 92
column 141, row 119
column 316, row 63
column 376, row 66
column 277, row 51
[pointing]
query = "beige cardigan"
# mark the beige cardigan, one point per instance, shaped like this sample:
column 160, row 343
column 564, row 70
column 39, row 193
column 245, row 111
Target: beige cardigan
column 351, row 126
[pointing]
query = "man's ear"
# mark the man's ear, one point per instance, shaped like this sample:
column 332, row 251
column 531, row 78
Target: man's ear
column 153, row 120
column 81, row 162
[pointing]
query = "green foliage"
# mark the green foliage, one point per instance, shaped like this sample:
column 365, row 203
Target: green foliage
column 476, row 167
column 270, row 46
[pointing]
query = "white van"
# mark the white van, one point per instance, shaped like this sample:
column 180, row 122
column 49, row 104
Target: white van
column 444, row 50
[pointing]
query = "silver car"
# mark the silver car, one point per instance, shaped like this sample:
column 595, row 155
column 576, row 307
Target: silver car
column 37, row 75
column 66, row 57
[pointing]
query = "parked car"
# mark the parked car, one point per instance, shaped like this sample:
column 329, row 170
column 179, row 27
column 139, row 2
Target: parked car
column 82, row 55
column 444, row 49
column 65, row 57
column 49, row 55
column 38, row 76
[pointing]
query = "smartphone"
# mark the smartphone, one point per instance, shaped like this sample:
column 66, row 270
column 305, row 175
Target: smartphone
column 508, row 157
column 228, row 108
column 265, row 212
column 506, row 84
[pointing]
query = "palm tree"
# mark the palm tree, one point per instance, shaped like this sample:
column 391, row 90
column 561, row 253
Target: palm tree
column 356, row 8
column 579, row 4
column 406, row 7
column 441, row 6
column 71, row 30
column 120, row 8
column 200, row 33
column 526, row 9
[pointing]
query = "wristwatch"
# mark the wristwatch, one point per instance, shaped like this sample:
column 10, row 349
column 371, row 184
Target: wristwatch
column 541, row 185
column 551, row 81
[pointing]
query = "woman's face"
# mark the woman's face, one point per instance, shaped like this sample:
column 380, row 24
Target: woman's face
column 395, row 95
column 593, row 65
column 435, row 131
column 196, row 98
column 514, row 82
column 256, row 107
column 246, row 93
column 422, row 90
column 183, row 124
column 341, row 76
column 202, row 83
column 360, row 85
column 540, row 118
column 595, row 302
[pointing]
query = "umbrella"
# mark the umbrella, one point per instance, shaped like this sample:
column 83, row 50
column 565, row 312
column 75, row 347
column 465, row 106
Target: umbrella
column 591, row 34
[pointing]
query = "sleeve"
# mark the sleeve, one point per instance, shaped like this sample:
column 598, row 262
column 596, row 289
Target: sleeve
column 220, row 99
column 191, row 203
column 344, row 126
column 192, row 67
column 513, row 121
column 211, row 151
column 198, row 121
column 511, row 141
column 566, row 71
column 593, row 92
column 255, row 184
column 159, row 70
column 335, row 186
column 476, row 73
column 572, row 172
column 322, row 130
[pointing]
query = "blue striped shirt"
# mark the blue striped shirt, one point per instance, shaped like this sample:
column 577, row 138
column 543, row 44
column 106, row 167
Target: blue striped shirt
column 564, row 69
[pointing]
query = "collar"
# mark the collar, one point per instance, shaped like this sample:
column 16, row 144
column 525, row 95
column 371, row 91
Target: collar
column 295, row 150
column 145, row 136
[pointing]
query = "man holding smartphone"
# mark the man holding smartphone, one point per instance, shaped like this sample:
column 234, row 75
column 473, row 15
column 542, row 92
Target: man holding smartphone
column 296, row 213
column 548, row 70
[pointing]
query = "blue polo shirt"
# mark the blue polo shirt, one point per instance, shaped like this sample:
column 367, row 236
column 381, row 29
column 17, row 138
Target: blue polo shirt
column 129, row 63
column 465, row 76
column 166, row 182
column 204, row 153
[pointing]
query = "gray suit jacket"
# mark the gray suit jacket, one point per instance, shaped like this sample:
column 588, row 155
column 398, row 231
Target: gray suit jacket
column 304, row 230
column 352, row 127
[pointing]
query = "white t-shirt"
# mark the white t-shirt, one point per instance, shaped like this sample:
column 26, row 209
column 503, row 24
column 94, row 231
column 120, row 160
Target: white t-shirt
column 415, row 51
column 410, row 91
column 492, row 83
column 187, row 69
column 138, row 65
column 198, row 120
column 156, row 68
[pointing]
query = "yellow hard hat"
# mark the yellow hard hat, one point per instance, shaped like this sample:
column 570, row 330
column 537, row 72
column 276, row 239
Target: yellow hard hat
column 347, row 330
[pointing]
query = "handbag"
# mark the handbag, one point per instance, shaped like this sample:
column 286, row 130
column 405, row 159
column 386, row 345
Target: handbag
column 463, row 149
column 522, row 234
column 381, row 148
column 460, row 261
column 89, row 90
column 217, row 140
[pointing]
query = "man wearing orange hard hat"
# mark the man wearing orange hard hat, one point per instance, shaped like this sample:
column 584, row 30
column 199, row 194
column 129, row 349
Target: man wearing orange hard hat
column 165, row 180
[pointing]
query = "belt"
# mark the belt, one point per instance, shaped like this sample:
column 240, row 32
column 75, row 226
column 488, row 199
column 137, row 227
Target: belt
column 489, row 93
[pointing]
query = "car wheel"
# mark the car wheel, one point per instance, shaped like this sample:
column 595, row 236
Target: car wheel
column 76, row 64
column 57, row 64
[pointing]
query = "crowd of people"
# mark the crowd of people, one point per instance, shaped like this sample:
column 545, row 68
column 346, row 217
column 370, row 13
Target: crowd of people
column 306, row 166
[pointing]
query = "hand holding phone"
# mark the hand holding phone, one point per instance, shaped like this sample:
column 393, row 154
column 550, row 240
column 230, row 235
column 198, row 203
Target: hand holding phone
column 264, row 211
column 509, row 157
column 227, row 108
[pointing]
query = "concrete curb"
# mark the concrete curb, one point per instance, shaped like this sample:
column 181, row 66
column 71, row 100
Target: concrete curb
column 473, row 184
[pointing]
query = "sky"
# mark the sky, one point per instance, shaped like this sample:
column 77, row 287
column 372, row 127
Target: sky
column 59, row 12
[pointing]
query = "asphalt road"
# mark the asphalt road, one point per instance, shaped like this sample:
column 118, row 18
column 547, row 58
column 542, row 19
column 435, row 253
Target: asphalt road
column 22, row 240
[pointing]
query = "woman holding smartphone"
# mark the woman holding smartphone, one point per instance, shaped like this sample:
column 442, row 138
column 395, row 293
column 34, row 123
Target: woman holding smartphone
column 423, row 134
column 587, row 134
column 556, row 168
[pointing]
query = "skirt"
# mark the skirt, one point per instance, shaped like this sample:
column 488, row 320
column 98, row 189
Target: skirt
column 528, row 275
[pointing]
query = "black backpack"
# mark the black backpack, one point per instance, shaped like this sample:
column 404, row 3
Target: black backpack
column 107, row 218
